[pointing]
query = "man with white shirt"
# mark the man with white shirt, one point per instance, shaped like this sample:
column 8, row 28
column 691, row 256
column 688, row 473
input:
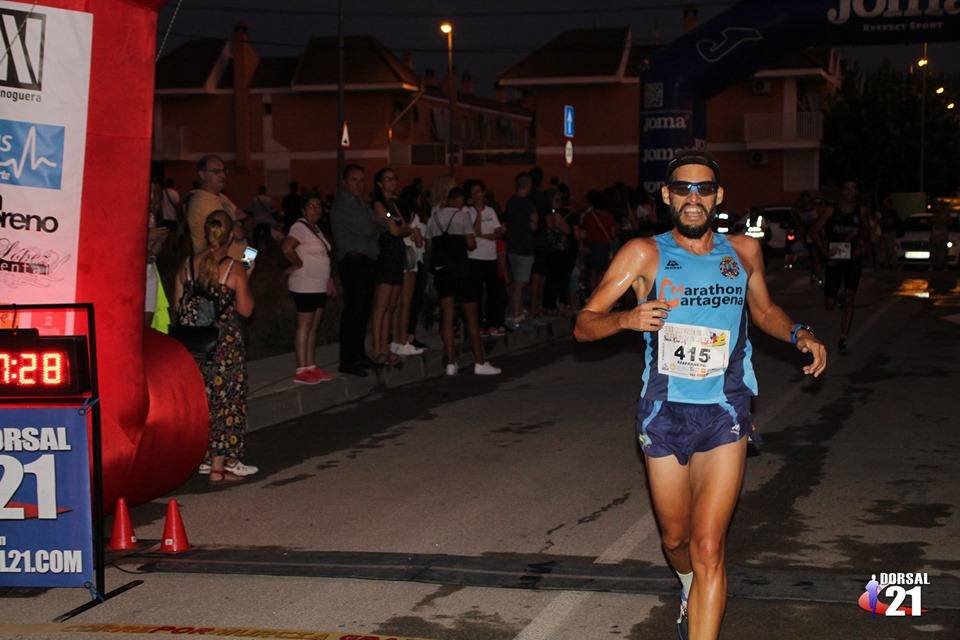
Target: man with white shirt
column 483, row 259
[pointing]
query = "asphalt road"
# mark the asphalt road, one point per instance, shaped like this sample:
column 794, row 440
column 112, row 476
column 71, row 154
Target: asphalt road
column 516, row 507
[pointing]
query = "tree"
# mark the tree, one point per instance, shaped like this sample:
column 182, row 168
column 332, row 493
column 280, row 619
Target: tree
column 872, row 132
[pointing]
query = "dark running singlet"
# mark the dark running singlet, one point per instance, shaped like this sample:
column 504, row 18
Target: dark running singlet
column 842, row 231
column 702, row 353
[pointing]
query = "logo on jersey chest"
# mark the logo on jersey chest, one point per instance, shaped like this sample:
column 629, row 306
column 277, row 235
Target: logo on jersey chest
column 729, row 267
column 716, row 295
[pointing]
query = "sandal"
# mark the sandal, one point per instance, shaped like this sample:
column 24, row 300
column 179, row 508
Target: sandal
column 223, row 476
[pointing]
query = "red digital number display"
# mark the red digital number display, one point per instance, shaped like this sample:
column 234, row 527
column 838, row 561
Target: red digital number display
column 32, row 365
column 43, row 369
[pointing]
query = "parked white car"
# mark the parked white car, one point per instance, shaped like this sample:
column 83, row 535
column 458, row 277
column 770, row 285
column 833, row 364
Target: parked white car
column 777, row 221
column 914, row 246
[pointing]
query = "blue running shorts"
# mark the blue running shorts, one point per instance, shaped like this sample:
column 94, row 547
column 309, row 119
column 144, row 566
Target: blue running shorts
column 680, row 429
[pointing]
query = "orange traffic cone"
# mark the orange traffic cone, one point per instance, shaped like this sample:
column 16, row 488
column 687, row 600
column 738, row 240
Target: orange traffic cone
column 174, row 535
column 123, row 537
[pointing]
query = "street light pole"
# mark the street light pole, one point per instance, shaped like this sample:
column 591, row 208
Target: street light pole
column 923, row 111
column 447, row 28
column 341, row 162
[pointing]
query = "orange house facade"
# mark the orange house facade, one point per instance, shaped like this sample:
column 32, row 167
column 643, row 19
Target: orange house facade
column 274, row 120
column 766, row 130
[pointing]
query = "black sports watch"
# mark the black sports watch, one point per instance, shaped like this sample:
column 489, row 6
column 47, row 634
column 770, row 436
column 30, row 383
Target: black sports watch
column 797, row 328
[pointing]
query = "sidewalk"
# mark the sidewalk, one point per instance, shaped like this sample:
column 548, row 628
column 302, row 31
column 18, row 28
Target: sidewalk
column 274, row 398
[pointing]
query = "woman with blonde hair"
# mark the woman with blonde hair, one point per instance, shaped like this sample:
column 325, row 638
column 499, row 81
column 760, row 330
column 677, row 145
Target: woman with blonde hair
column 213, row 284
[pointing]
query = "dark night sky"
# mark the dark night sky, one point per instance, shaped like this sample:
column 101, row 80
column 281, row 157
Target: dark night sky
column 486, row 43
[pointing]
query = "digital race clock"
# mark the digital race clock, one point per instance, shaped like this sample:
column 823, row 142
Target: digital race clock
column 35, row 365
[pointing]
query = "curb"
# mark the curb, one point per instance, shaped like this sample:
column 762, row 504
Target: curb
column 282, row 402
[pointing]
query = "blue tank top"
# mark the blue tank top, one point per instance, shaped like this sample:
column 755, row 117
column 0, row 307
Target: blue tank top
column 702, row 354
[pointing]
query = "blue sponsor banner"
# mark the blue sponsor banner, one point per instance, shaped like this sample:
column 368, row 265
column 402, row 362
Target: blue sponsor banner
column 753, row 33
column 46, row 531
column 31, row 154
column 568, row 120
column 664, row 132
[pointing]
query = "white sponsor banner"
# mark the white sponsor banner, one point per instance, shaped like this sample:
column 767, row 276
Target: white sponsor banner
column 44, row 84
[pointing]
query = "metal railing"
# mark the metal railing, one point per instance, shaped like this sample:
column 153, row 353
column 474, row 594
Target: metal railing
column 471, row 153
column 783, row 127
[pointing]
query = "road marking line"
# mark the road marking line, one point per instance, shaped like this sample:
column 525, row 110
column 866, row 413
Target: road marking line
column 558, row 611
column 636, row 537
column 190, row 631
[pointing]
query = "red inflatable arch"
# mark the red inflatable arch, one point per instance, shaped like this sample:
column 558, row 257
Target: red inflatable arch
column 154, row 409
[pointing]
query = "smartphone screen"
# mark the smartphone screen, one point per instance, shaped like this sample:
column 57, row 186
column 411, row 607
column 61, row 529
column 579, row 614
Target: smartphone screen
column 249, row 255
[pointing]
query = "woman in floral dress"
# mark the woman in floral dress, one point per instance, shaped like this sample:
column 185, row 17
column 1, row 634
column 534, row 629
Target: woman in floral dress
column 212, row 275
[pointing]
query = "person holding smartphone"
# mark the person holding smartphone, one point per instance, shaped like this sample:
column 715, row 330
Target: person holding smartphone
column 309, row 284
column 390, row 263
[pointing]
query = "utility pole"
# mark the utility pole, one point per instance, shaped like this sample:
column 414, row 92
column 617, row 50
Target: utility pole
column 341, row 162
column 924, row 63
column 447, row 28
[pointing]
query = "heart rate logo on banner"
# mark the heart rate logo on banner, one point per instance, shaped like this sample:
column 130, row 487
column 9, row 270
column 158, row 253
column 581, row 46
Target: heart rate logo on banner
column 31, row 154
column 21, row 60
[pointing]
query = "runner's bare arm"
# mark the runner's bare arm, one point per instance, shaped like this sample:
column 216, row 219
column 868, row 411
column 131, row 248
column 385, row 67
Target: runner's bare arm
column 817, row 233
column 634, row 264
column 766, row 315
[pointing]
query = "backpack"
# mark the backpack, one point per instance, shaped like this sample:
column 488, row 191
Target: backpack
column 201, row 336
column 448, row 253
column 195, row 296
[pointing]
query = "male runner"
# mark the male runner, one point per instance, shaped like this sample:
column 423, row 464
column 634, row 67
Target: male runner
column 694, row 410
column 840, row 234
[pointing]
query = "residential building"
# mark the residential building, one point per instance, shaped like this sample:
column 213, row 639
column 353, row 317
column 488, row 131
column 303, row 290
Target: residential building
column 274, row 119
column 765, row 130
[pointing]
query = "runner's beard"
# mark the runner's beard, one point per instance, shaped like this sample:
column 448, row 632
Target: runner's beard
column 697, row 232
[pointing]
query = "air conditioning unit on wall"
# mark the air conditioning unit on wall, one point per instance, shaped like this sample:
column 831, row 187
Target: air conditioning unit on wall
column 761, row 87
column 758, row 159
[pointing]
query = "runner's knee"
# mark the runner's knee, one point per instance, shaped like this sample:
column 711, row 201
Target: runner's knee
column 673, row 543
column 706, row 552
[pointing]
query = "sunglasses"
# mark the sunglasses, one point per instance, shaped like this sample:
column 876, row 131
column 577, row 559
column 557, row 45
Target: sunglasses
column 684, row 188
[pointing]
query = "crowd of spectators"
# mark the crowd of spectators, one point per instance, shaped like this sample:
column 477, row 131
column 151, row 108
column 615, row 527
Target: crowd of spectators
column 401, row 256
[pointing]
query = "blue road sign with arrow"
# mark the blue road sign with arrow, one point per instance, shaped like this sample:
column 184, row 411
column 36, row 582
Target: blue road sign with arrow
column 568, row 120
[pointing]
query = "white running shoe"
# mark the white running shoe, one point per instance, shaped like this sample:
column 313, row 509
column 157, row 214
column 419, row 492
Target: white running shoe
column 406, row 349
column 451, row 369
column 240, row 469
column 485, row 369
column 204, row 469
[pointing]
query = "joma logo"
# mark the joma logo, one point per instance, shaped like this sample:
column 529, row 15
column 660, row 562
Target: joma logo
column 21, row 61
column 892, row 9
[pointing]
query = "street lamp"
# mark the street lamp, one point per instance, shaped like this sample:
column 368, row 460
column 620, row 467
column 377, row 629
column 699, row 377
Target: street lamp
column 447, row 28
column 940, row 90
column 922, row 63
column 951, row 106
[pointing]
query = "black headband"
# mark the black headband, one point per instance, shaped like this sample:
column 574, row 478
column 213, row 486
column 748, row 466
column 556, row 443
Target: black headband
column 693, row 156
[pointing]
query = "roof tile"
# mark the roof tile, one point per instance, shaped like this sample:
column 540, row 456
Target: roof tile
column 189, row 65
column 575, row 53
